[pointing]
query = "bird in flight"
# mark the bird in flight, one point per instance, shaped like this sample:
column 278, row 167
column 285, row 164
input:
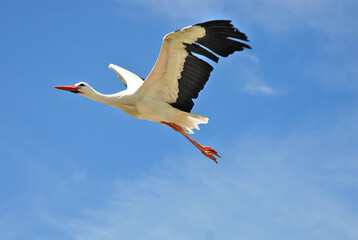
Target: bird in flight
column 166, row 95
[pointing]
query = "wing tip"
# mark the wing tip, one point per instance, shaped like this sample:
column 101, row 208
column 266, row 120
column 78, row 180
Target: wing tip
column 222, row 37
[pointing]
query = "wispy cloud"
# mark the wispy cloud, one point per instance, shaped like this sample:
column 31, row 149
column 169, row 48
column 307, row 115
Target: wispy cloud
column 327, row 16
column 257, row 86
column 250, row 77
column 327, row 27
column 268, row 187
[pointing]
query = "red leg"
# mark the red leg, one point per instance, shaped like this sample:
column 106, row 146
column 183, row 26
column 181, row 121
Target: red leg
column 207, row 151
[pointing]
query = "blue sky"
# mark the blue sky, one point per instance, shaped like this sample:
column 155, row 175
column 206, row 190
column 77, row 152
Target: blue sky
column 283, row 116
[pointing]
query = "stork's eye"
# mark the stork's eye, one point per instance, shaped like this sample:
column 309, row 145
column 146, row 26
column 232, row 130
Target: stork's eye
column 81, row 85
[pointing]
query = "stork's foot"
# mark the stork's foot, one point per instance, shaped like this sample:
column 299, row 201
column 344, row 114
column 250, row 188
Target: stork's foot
column 207, row 151
column 210, row 152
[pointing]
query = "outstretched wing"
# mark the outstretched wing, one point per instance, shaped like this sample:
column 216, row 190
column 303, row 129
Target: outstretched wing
column 130, row 80
column 178, row 76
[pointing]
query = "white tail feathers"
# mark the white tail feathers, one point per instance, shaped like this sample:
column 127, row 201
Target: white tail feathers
column 193, row 121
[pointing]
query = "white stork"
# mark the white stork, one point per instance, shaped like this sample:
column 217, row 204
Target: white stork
column 177, row 77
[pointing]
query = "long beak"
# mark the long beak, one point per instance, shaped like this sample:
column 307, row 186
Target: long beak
column 71, row 88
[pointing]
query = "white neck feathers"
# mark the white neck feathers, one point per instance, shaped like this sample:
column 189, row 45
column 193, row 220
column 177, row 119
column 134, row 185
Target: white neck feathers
column 111, row 99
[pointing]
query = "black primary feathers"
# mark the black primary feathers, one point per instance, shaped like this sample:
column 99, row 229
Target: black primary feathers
column 219, row 38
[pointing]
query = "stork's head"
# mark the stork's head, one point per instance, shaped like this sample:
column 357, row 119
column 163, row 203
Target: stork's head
column 86, row 90
column 80, row 88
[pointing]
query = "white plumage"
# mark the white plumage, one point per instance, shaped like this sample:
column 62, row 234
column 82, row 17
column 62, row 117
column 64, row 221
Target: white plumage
column 177, row 77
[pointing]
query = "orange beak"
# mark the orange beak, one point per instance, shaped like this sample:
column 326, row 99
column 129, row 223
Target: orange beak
column 71, row 88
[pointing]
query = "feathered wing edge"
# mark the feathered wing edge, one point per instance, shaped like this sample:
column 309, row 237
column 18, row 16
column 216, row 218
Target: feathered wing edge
column 130, row 80
column 219, row 39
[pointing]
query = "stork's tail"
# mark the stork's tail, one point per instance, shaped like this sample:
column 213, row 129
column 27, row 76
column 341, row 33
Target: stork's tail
column 191, row 121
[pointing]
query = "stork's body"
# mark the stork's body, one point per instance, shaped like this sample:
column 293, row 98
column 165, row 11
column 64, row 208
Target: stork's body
column 178, row 76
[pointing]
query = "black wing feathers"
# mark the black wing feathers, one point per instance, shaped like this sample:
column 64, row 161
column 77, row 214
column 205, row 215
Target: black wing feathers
column 195, row 48
column 219, row 38
column 193, row 78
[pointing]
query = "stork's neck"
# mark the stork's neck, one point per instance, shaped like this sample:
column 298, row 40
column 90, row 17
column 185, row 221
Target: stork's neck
column 111, row 99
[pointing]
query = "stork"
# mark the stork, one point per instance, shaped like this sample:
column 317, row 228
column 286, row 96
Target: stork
column 166, row 95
